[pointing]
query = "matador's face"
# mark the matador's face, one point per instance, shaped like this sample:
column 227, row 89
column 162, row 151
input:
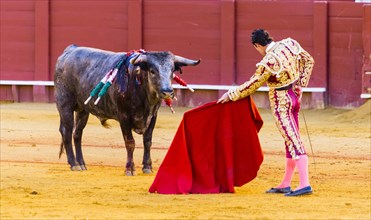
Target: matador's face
column 261, row 49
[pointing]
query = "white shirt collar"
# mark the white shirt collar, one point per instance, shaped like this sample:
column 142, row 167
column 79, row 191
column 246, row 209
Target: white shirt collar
column 270, row 46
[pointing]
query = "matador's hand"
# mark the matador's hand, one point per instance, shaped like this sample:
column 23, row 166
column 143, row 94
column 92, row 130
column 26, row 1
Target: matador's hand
column 224, row 98
column 298, row 91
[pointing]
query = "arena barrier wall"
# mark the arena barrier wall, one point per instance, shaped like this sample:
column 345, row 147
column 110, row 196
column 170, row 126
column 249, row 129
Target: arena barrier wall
column 337, row 33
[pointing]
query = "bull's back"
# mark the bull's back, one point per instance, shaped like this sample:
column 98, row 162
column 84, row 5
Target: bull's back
column 79, row 69
column 84, row 63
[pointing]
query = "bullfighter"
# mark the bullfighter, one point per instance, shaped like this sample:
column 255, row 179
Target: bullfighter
column 286, row 67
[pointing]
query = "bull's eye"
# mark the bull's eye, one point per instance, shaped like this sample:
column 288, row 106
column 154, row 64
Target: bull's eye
column 153, row 73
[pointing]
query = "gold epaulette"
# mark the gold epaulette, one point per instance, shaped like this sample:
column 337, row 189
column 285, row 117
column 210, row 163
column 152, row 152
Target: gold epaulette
column 293, row 45
column 272, row 63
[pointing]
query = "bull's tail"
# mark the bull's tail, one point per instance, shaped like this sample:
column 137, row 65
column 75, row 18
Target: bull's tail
column 61, row 150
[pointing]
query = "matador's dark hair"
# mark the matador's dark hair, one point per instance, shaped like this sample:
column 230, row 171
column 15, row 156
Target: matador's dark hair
column 260, row 36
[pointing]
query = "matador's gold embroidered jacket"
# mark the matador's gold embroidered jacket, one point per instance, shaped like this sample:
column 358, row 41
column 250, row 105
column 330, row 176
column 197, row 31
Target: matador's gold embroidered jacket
column 285, row 63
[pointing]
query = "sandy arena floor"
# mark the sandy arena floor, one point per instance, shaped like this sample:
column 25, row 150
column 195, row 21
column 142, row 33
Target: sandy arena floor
column 35, row 184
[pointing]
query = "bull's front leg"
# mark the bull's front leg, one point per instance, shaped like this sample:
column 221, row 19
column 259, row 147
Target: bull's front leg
column 147, row 142
column 130, row 147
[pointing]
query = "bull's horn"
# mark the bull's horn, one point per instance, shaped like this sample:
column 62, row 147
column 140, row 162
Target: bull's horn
column 185, row 62
column 138, row 58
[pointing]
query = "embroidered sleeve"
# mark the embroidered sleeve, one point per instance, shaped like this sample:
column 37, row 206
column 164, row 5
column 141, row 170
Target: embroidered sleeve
column 306, row 63
column 257, row 80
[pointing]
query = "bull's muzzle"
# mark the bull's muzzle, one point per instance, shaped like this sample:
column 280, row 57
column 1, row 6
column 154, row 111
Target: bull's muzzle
column 167, row 93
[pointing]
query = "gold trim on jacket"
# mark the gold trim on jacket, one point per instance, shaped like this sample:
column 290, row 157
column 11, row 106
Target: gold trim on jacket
column 285, row 63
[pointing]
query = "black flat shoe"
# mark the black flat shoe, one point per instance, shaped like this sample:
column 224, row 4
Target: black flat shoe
column 279, row 190
column 300, row 192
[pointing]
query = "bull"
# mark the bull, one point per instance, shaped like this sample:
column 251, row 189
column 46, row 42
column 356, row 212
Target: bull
column 142, row 82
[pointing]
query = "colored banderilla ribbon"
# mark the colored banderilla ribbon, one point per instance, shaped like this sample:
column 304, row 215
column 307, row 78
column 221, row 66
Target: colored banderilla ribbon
column 181, row 82
column 168, row 103
column 177, row 79
column 105, row 83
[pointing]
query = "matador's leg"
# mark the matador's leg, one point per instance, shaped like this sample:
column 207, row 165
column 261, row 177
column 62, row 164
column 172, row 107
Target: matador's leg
column 284, row 106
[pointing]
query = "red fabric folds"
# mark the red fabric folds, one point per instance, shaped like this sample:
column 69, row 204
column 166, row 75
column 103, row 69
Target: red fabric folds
column 215, row 148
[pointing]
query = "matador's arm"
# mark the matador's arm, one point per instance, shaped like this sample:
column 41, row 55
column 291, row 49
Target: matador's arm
column 306, row 64
column 257, row 80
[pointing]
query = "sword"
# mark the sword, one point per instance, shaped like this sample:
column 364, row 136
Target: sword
column 310, row 142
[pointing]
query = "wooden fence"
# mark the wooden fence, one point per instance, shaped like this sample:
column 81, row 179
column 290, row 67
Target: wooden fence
column 337, row 33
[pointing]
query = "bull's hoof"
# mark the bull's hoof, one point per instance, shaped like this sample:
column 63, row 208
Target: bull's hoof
column 76, row 168
column 147, row 170
column 130, row 173
column 83, row 167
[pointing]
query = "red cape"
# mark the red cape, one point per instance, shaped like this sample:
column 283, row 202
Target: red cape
column 215, row 148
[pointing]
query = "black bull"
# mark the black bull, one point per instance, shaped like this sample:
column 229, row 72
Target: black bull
column 133, row 100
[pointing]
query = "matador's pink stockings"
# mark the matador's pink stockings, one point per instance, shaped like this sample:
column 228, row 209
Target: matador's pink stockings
column 289, row 172
column 302, row 165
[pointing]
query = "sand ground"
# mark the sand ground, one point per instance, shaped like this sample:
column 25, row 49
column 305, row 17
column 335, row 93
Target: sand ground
column 36, row 184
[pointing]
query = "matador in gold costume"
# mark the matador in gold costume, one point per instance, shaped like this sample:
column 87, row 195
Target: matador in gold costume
column 286, row 67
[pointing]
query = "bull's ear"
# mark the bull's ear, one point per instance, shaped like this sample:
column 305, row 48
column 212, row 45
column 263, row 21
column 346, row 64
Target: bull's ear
column 137, row 70
column 134, row 69
column 181, row 61
column 177, row 68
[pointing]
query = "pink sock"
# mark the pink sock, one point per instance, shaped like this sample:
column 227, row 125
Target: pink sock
column 289, row 172
column 302, row 165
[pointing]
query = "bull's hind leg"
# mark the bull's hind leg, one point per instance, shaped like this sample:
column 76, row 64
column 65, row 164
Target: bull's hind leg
column 66, row 128
column 81, row 118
